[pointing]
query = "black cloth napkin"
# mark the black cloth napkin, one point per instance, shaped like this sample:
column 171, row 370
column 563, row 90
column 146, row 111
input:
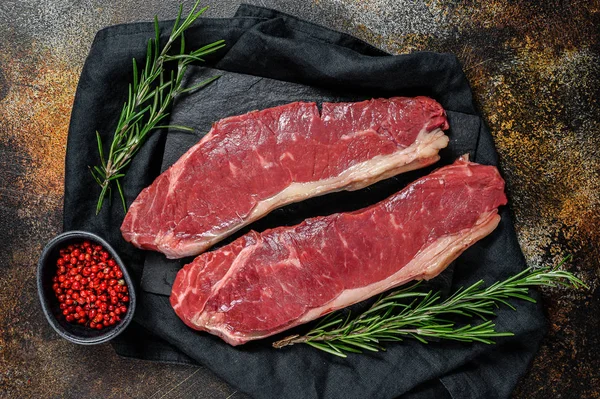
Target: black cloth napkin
column 272, row 58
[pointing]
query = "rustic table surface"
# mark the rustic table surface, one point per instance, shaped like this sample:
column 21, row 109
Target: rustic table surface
column 535, row 71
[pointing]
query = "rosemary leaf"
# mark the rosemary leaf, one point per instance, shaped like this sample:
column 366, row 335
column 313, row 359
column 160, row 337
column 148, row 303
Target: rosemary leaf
column 327, row 348
column 121, row 193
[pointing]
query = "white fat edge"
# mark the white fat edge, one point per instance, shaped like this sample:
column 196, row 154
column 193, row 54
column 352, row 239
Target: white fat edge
column 190, row 276
column 239, row 261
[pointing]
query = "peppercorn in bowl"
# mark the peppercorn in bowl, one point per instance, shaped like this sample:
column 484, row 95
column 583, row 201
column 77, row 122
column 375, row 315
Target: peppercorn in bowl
column 84, row 288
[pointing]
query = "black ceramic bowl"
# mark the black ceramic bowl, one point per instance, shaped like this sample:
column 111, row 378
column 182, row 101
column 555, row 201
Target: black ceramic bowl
column 76, row 333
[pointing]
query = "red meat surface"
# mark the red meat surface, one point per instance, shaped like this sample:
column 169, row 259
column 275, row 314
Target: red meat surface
column 264, row 283
column 250, row 164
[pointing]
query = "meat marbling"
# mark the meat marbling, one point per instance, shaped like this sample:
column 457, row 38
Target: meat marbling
column 264, row 283
column 248, row 165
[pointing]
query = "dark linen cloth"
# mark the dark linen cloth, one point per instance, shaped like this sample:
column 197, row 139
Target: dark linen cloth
column 271, row 59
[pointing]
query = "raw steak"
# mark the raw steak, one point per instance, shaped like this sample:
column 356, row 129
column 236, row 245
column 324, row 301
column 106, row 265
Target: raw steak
column 265, row 283
column 248, row 165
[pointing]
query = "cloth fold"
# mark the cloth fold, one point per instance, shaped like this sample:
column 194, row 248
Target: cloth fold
column 272, row 58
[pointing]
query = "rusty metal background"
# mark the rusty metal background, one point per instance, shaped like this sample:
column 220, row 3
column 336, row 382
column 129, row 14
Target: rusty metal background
column 535, row 70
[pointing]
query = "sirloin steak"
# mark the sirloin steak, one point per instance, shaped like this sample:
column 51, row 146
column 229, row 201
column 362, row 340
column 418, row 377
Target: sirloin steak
column 248, row 165
column 264, row 283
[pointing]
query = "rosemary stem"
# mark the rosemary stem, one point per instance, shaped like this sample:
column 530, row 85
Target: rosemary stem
column 389, row 319
column 150, row 96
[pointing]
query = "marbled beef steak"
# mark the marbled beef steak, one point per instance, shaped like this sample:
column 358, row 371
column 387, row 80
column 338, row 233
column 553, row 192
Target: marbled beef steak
column 264, row 283
column 248, row 165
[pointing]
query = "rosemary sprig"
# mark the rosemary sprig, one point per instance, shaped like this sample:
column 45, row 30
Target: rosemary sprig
column 411, row 313
column 150, row 96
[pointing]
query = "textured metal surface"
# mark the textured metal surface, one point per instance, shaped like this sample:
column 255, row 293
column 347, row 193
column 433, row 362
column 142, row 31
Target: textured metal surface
column 535, row 70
